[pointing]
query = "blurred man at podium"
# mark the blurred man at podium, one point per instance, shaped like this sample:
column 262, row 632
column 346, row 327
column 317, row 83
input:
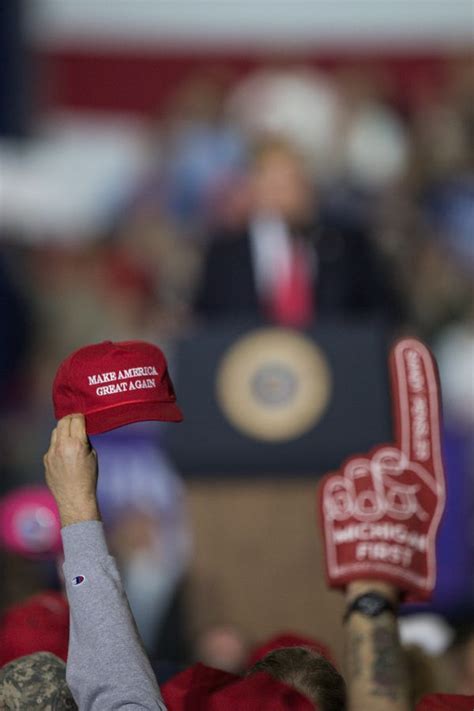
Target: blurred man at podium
column 286, row 264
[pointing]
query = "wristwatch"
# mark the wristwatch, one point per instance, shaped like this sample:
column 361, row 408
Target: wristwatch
column 370, row 604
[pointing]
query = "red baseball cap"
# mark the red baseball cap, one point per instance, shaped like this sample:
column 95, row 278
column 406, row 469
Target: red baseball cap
column 115, row 384
column 206, row 689
column 40, row 624
column 445, row 702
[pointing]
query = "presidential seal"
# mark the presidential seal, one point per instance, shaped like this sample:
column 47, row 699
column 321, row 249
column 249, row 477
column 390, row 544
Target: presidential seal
column 273, row 384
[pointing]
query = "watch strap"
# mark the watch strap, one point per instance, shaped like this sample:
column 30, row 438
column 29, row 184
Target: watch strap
column 370, row 604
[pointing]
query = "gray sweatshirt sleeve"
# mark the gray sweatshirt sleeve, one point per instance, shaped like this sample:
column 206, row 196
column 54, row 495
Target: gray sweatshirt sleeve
column 107, row 667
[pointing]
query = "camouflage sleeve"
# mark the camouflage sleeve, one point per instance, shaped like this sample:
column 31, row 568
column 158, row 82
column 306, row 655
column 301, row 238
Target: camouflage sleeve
column 107, row 666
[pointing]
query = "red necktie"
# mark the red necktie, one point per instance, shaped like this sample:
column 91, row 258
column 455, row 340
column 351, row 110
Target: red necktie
column 292, row 300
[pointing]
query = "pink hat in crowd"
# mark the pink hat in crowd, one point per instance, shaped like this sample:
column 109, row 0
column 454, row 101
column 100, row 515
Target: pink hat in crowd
column 29, row 523
column 115, row 384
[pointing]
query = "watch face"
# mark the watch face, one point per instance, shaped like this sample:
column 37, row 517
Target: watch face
column 372, row 605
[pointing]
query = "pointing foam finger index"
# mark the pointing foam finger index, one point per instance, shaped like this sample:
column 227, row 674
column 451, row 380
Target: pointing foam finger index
column 416, row 402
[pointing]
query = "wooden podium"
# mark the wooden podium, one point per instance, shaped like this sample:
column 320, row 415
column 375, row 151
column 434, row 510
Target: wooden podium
column 267, row 411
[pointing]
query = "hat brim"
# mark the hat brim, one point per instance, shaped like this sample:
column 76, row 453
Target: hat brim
column 125, row 414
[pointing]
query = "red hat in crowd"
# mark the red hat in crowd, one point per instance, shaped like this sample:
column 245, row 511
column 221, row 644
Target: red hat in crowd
column 41, row 624
column 115, row 384
column 29, row 523
column 445, row 702
column 201, row 688
column 288, row 639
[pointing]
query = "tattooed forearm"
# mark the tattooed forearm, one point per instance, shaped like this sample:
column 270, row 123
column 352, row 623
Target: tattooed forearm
column 387, row 669
column 354, row 660
column 376, row 671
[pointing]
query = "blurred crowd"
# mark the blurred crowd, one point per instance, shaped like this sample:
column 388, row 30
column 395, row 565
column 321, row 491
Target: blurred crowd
column 345, row 151
column 357, row 197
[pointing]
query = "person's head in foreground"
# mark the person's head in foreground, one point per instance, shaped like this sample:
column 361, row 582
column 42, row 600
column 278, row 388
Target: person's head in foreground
column 308, row 672
column 35, row 683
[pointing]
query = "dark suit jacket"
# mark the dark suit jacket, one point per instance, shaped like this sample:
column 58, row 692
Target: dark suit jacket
column 350, row 280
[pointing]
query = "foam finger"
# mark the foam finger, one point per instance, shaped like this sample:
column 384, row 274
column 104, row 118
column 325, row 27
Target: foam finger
column 416, row 403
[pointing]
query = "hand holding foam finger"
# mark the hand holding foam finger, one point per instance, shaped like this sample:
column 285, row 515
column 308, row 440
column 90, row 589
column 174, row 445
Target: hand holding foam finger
column 380, row 513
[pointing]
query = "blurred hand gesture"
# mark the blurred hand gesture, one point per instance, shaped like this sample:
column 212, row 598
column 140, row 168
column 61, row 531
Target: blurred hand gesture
column 71, row 471
column 381, row 511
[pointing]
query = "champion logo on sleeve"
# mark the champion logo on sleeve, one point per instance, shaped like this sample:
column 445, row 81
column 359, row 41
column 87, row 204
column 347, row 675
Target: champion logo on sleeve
column 78, row 580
